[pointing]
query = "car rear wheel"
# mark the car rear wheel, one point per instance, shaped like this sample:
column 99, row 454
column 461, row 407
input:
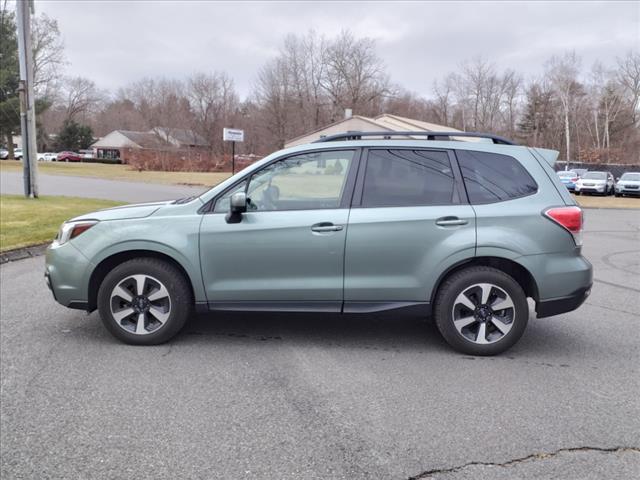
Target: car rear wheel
column 144, row 301
column 481, row 311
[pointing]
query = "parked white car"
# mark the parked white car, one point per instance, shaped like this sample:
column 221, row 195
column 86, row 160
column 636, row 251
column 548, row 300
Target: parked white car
column 628, row 184
column 47, row 157
column 595, row 182
column 4, row 154
column 17, row 153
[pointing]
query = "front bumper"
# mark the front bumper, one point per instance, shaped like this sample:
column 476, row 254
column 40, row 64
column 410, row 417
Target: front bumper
column 628, row 191
column 591, row 189
column 66, row 275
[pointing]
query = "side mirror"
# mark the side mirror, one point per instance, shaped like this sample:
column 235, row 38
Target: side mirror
column 237, row 206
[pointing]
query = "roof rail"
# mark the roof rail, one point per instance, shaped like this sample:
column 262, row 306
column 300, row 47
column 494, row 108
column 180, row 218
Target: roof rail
column 356, row 135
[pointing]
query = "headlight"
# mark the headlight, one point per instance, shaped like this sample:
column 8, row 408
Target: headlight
column 70, row 230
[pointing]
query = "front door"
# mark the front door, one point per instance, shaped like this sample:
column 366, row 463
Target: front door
column 287, row 253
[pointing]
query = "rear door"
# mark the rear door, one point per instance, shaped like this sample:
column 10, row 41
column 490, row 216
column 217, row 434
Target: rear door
column 408, row 223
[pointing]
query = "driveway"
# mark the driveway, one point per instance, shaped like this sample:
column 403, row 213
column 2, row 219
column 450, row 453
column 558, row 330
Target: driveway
column 130, row 192
column 249, row 396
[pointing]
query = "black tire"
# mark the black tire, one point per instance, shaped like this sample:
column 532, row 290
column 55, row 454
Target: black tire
column 179, row 293
column 460, row 282
column 577, row 193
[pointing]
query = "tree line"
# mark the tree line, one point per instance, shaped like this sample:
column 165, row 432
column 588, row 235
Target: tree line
column 588, row 113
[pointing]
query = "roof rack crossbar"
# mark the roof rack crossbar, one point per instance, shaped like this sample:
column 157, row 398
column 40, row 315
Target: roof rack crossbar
column 356, row 135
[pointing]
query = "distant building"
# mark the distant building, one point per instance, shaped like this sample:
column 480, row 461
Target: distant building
column 115, row 144
column 382, row 123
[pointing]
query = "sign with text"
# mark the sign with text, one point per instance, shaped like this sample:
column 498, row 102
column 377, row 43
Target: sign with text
column 232, row 135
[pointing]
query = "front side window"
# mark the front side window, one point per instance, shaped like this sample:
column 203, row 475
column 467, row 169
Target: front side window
column 303, row 182
column 404, row 177
column 223, row 203
column 491, row 177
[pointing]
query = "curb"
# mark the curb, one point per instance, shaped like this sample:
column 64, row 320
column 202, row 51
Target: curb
column 22, row 253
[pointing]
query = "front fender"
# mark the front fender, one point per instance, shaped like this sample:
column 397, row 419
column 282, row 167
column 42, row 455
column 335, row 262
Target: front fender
column 176, row 237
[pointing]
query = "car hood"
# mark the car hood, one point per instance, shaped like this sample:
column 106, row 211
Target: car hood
column 589, row 180
column 628, row 182
column 137, row 210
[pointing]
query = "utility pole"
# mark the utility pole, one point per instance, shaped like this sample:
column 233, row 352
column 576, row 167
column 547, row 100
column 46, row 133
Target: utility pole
column 27, row 99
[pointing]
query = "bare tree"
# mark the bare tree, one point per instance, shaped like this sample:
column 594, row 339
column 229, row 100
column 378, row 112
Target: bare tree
column 562, row 73
column 355, row 76
column 628, row 75
column 81, row 97
column 48, row 54
column 213, row 102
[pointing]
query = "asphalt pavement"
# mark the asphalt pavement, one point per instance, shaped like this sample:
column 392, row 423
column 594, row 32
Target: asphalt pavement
column 248, row 396
column 130, row 192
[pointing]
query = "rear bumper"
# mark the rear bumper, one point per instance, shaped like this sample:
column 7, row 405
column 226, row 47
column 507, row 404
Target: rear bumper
column 556, row 306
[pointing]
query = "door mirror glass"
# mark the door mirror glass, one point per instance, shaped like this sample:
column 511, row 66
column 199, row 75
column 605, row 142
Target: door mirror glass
column 237, row 206
column 238, row 202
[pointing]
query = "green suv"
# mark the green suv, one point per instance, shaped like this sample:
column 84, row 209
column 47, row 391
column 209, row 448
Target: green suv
column 464, row 231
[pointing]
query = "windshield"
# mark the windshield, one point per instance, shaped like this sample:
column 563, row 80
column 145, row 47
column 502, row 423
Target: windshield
column 567, row 174
column 635, row 177
column 595, row 176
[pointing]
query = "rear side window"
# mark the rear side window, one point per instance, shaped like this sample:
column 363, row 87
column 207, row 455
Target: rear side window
column 396, row 178
column 491, row 177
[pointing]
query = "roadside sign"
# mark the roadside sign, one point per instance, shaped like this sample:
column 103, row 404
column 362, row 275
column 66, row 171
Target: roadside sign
column 232, row 135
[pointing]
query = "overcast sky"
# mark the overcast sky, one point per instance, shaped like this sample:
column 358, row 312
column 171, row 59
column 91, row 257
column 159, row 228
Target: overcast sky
column 116, row 42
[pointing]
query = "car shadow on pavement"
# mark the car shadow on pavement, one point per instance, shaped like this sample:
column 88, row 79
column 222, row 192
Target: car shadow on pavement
column 384, row 331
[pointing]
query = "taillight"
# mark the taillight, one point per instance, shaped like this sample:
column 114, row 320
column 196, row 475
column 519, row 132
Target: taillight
column 574, row 179
column 568, row 217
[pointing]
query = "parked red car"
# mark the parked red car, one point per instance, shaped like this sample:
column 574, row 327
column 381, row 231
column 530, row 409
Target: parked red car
column 68, row 157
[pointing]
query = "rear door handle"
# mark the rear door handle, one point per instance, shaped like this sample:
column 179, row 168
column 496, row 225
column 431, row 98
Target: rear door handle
column 451, row 221
column 326, row 227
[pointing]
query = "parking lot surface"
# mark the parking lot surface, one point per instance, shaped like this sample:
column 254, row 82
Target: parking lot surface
column 318, row 396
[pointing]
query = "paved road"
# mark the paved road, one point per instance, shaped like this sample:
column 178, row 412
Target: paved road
column 290, row 396
column 132, row 192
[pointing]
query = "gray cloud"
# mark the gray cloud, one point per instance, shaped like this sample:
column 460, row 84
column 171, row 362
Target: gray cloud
column 114, row 43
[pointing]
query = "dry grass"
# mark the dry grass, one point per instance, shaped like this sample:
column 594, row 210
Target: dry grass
column 25, row 222
column 120, row 172
column 594, row 201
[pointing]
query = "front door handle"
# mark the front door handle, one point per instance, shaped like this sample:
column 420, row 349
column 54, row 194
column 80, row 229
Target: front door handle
column 451, row 221
column 326, row 227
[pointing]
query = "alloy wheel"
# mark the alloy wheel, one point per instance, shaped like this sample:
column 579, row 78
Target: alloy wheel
column 483, row 313
column 140, row 304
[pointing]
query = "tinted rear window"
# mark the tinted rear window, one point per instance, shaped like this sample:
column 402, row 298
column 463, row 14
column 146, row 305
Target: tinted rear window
column 407, row 177
column 491, row 177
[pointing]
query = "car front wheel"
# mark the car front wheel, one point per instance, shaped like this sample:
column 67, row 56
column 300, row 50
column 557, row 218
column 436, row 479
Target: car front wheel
column 481, row 311
column 144, row 301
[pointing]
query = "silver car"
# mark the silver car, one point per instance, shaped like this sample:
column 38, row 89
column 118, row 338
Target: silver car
column 595, row 182
column 628, row 184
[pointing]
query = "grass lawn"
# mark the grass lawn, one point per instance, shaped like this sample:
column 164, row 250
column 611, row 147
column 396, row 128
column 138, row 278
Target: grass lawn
column 120, row 172
column 595, row 201
column 25, row 222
